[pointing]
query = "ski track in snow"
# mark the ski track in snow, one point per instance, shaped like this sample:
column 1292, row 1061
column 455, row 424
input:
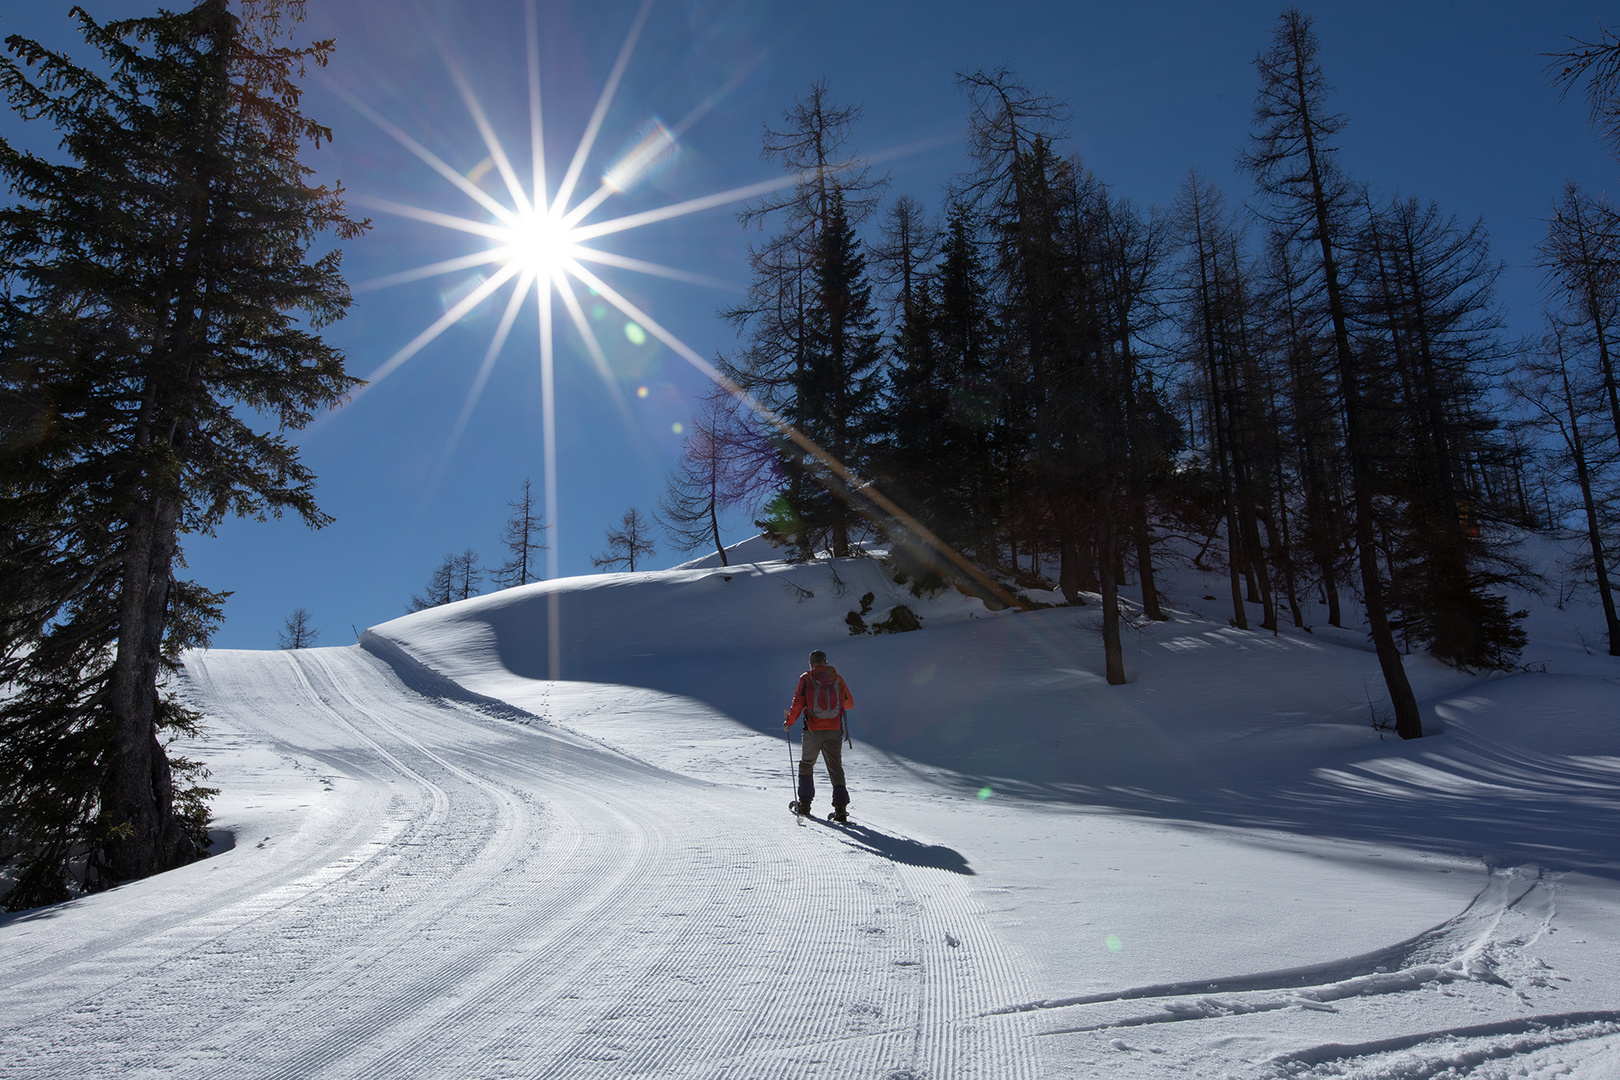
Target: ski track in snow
column 1486, row 945
column 1471, row 946
column 483, row 899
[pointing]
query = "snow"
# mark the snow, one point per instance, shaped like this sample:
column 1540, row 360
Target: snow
column 435, row 861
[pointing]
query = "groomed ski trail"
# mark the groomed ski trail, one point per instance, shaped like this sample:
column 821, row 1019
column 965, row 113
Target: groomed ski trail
column 461, row 895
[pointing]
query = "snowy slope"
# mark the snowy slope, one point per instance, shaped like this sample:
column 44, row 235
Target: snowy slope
column 446, row 864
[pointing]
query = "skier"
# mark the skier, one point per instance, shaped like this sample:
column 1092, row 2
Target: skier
column 822, row 696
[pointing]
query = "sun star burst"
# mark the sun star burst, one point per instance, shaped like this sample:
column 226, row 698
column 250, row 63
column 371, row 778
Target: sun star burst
column 540, row 243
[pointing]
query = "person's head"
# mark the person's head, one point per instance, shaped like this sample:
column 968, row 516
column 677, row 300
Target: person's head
column 818, row 658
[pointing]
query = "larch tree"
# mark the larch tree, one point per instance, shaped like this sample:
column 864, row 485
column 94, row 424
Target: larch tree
column 298, row 632
column 441, row 587
column 1131, row 257
column 1594, row 67
column 726, row 463
column 467, row 573
column 1309, row 422
column 1211, row 295
column 161, row 302
column 1427, row 318
column 1581, row 259
column 628, row 544
column 1292, row 157
column 1554, row 397
column 522, row 534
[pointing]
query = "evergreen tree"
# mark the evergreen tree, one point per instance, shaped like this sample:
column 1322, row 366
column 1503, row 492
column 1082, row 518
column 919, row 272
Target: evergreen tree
column 160, row 298
column 908, row 458
column 837, row 392
column 807, row 320
column 971, row 434
column 1014, row 187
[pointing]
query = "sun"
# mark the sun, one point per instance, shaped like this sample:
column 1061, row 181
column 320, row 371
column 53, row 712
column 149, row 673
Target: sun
column 543, row 246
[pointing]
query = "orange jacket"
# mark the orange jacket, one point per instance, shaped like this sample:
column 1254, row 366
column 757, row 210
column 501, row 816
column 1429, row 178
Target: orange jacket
column 825, row 675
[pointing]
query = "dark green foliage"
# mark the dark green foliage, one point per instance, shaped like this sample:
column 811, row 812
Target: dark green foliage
column 837, row 390
column 157, row 297
column 813, row 347
column 901, row 620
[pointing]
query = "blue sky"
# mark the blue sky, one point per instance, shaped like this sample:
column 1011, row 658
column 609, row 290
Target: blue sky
column 1448, row 101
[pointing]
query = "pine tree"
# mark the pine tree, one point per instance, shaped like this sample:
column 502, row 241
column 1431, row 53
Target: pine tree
column 161, row 298
column 804, row 320
column 837, row 393
column 1014, row 188
column 909, row 459
column 972, row 430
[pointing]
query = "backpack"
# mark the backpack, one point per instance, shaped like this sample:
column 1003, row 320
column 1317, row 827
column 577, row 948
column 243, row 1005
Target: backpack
column 823, row 699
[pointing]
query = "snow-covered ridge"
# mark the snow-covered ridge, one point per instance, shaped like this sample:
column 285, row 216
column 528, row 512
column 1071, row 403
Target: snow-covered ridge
column 1212, row 715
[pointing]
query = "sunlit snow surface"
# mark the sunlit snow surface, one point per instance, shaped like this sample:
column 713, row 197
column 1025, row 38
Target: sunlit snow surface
column 439, row 864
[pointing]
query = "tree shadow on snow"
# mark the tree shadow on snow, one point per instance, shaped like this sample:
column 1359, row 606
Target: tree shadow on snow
column 901, row 849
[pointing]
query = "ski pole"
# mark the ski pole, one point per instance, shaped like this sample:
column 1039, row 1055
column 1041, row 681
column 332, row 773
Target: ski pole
column 787, row 733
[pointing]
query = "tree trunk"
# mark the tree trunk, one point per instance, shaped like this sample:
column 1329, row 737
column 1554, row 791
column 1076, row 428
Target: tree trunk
column 142, row 836
column 1594, row 534
column 1408, row 721
column 1113, row 655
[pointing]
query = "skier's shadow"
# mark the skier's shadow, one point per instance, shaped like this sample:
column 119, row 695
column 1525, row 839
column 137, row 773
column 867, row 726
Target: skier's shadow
column 901, row 849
